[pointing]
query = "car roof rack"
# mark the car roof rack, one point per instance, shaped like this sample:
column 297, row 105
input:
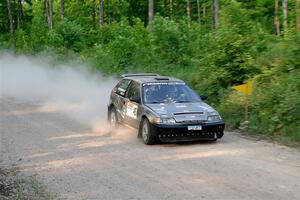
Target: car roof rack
column 162, row 78
column 139, row 74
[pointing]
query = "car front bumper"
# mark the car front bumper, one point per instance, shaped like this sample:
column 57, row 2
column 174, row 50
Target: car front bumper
column 180, row 132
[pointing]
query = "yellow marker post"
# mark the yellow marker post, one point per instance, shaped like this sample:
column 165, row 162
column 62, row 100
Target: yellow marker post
column 247, row 90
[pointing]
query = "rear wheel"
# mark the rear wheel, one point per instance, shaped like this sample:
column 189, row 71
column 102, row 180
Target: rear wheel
column 113, row 119
column 146, row 134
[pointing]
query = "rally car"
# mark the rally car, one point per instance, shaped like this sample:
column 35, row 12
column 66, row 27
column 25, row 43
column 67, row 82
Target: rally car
column 163, row 108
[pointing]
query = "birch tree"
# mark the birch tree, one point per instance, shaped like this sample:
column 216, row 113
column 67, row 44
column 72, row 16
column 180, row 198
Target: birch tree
column 298, row 15
column 101, row 13
column 150, row 12
column 48, row 13
column 214, row 8
column 212, row 11
column 216, row 12
column 199, row 11
column 10, row 20
column 94, row 14
column 62, row 9
column 188, row 11
column 171, row 9
column 285, row 14
column 20, row 12
column 276, row 18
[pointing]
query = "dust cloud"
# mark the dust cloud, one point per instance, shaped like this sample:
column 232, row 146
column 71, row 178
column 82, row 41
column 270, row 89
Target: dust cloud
column 72, row 89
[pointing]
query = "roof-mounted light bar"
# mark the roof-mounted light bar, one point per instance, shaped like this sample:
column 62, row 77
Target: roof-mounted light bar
column 139, row 74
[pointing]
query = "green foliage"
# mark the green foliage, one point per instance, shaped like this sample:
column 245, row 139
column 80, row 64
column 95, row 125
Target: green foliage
column 67, row 34
column 276, row 105
column 232, row 108
column 167, row 40
column 275, row 109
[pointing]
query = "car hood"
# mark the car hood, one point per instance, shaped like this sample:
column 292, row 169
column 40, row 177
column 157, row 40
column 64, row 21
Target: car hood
column 182, row 112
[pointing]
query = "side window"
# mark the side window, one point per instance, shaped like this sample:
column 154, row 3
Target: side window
column 121, row 87
column 134, row 90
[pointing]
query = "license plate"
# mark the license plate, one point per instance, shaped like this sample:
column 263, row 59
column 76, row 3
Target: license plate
column 194, row 128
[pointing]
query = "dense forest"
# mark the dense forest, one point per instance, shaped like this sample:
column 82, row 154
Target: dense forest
column 211, row 44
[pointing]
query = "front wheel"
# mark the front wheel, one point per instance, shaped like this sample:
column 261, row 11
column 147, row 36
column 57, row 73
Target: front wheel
column 146, row 134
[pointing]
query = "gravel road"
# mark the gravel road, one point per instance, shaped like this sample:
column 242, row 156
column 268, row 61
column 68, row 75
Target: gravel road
column 75, row 162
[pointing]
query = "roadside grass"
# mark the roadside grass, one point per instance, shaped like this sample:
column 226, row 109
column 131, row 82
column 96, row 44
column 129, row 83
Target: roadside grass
column 14, row 186
column 279, row 139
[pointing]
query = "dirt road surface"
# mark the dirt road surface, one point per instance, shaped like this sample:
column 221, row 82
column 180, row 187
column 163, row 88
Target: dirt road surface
column 76, row 162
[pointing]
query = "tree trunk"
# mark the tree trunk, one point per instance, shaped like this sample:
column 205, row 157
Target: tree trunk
column 150, row 13
column 48, row 13
column 62, row 9
column 216, row 12
column 101, row 14
column 212, row 11
column 285, row 15
column 94, row 14
column 20, row 12
column 10, row 21
column 171, row 9
column 276, row 19
column 298, row 15
column 199, row 11
column 188, row 11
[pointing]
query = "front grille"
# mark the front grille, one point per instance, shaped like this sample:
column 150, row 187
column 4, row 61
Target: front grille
column 191, row 121
column 189, row 113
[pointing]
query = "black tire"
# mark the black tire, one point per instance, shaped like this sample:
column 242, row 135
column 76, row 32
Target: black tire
column 145, row 132
column 113, row 118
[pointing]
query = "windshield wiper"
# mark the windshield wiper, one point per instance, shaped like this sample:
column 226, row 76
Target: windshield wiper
column 183, row 101
column 154, row 102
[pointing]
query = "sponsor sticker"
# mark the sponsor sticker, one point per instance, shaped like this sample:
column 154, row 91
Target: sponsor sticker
column 164, row 83
column 131, row 110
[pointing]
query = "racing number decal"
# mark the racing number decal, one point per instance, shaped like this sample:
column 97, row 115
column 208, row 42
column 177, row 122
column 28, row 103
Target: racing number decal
column 131, row 110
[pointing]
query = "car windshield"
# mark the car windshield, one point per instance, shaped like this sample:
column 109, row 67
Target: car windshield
column 168, row 92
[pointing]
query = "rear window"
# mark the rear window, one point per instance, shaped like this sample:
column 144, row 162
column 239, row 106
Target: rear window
column 122, row 86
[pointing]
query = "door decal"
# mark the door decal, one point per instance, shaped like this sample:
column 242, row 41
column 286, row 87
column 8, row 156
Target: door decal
column 131, row 110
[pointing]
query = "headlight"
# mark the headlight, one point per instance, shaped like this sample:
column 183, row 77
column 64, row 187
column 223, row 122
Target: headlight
column 214, row 118
column 211, row 113
column 167, row 121
column 163, row 120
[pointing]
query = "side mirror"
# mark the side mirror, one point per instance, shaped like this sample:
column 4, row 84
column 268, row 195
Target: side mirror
column 135, row 99
column 203, row 97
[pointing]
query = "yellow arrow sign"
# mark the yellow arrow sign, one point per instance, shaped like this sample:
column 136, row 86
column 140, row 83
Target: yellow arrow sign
column 244, row 88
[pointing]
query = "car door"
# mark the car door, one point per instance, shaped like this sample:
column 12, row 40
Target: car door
column 132, row 107
column 119, row 99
